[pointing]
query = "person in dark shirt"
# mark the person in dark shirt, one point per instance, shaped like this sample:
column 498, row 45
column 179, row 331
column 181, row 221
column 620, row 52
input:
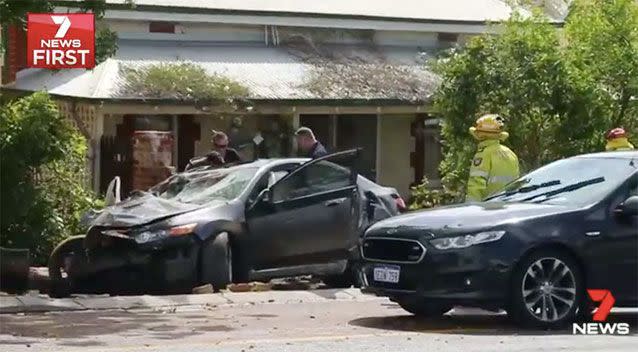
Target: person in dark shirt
column 220, row 145
column 308, row 145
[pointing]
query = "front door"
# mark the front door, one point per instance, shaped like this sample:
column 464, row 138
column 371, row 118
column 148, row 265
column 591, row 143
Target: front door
column 311, row 217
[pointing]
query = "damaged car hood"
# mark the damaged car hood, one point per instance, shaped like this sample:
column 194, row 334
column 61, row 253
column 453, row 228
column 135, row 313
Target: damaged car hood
column 139, row 210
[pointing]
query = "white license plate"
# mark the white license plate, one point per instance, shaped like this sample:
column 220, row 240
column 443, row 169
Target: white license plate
column 387, row 273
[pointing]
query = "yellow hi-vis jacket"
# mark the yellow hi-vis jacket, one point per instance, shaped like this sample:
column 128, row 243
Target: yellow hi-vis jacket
column 618, row 144
column 494, row 166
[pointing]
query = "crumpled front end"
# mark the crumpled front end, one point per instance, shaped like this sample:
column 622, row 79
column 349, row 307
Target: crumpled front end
column 113, row 260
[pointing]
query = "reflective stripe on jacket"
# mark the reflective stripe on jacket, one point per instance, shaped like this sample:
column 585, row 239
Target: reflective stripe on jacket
column 494, row 166
column 618, row 144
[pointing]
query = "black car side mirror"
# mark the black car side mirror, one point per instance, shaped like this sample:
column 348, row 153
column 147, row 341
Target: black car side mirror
column 629, row 207
column 266, row 196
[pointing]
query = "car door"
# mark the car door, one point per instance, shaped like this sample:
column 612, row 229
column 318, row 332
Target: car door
column 612, row 252
column 311, row 215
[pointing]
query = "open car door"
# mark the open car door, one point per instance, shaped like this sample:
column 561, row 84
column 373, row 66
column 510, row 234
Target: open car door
column 308, row 217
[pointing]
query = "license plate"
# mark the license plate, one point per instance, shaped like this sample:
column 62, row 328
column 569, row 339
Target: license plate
column 387, row 273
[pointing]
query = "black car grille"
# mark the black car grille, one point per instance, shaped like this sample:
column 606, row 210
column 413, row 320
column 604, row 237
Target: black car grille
column 393, row 250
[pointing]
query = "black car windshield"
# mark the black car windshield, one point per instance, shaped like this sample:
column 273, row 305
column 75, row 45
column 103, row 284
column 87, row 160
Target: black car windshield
column 576, row 181
column 204, row 187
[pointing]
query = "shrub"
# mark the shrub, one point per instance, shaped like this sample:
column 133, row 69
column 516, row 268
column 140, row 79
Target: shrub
column 42, row 191
column 424, row 196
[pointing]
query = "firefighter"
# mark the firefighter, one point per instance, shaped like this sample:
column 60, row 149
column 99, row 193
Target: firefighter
column 494, row 165
column 617, row 140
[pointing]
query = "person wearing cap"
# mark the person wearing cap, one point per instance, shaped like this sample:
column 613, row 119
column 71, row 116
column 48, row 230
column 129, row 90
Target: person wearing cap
column 617, row 140
column 494, row 165
column 220, row 145
column 308, row 145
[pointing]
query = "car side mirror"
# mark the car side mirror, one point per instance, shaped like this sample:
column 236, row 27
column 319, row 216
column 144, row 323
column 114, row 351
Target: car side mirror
column 265, row 196
column 629, row 207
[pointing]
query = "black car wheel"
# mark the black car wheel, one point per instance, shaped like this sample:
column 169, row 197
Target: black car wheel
column 216, row 262
column 420, row 308
column 61, row 285
column 547, row 290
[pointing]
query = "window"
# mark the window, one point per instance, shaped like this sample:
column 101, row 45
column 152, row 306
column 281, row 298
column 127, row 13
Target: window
column 320, row 177
column 576, row 181
column 161, row 27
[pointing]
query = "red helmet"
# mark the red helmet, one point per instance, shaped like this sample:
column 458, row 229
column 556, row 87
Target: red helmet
column 616, row 133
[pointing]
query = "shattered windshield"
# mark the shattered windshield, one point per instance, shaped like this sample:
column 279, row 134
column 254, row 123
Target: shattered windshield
column 578, row 181
column 203, row 187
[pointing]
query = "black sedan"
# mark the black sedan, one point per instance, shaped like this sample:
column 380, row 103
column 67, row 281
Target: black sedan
column 254, row 221
column 532, row 250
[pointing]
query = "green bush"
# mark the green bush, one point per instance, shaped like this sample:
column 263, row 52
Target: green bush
column 559, row 91
column 424, row 196
column 42, row 190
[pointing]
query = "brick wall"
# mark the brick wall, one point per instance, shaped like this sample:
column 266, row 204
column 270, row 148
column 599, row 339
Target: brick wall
column 16, row 54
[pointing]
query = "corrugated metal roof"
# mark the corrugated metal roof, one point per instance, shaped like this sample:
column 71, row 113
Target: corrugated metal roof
column 269, row 73
column 437, row 10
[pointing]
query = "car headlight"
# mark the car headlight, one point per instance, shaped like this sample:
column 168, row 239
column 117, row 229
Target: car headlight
column 466, row 240
column 150, row 236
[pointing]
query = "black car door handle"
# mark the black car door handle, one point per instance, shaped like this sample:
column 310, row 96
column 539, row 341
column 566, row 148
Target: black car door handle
column 332, row 203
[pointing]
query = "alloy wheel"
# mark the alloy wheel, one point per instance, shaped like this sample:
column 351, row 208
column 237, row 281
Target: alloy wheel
column 549, row 289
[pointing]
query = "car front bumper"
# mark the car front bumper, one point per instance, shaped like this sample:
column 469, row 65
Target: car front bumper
column 474, row 276
column 142, row 266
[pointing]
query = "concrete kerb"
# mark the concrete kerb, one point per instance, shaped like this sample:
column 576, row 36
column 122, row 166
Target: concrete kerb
column 43, row 303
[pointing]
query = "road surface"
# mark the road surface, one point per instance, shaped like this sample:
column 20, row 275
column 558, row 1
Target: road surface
column 319, row 326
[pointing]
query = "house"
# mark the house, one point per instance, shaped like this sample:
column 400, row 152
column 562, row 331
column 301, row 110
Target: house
column 354, row 71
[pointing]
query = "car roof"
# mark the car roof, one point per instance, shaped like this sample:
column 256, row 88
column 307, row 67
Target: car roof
column 628, row 154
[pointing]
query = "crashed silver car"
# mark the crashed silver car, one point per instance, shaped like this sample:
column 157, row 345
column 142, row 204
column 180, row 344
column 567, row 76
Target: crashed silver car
column 253, row 221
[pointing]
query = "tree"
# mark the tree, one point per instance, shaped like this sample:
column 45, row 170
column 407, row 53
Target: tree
column 603, row 50
column 559, row 92
column 15, row 11
column 42, row 191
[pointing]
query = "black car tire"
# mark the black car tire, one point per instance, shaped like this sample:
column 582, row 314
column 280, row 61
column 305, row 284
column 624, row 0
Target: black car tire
column 60, row 286
column 570, row 281
column 344, row 280
column 422, row 309
column 216, row 262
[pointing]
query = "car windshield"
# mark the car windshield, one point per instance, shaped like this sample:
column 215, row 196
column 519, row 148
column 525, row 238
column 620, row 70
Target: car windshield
column 576, row 181
column 203, row 187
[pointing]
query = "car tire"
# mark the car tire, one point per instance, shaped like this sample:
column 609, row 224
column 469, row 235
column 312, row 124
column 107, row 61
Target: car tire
column 216, row 262
column 343, row 280
column 61, row 286
column 547, row 290
column 422, row 309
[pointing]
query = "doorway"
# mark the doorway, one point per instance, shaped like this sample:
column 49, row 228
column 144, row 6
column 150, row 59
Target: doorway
column 360, row 131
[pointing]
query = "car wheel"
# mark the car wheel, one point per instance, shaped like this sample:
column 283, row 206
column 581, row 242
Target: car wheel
column 422, row 309
column 61, row 285
column 216, row 262
column 547, row 290
column 344, row 280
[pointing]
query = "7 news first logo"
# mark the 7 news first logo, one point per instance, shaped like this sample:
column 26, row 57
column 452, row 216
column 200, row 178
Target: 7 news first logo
column 599, row 326
column 57, row 41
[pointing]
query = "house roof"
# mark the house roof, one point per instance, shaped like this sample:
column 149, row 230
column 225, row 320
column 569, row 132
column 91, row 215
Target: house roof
column 393, row 73
column 428, row 10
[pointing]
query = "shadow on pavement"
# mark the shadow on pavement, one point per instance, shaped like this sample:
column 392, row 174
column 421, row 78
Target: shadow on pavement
column 484, row 324
column 85, row 328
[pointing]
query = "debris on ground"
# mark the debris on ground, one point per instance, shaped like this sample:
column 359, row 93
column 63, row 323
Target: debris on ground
column 208, row 288
column 254, row 286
